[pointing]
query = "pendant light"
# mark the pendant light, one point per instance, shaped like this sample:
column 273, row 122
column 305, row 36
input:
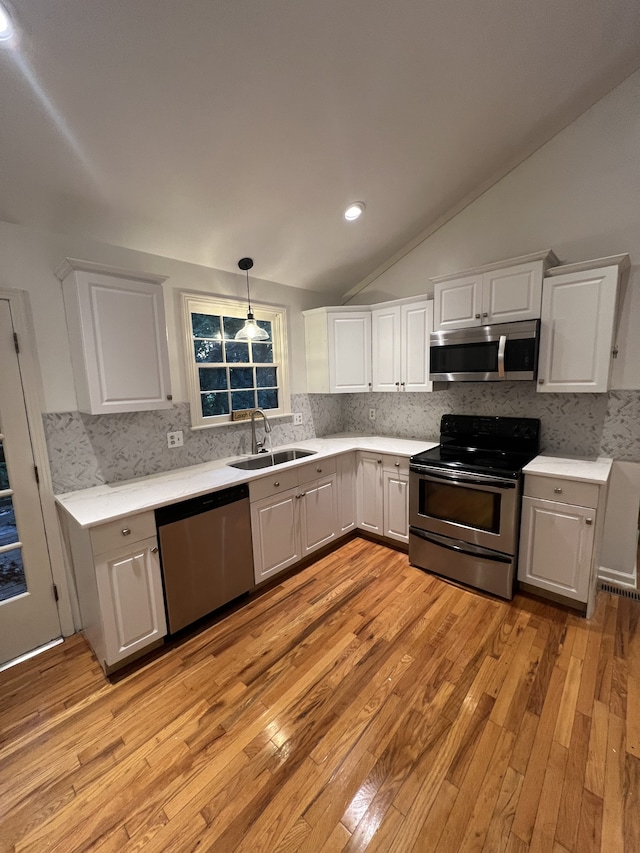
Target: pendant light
column 251, row 331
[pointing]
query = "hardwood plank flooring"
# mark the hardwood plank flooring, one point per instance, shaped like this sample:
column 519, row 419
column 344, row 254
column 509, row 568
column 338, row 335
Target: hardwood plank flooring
column 359, row 705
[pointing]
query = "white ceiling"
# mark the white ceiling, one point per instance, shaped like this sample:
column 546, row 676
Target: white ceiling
column 206, row 130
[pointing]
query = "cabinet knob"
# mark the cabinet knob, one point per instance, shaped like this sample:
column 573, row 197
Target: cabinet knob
column 154, row 550
column 301, row 495
column 319, row 470
column 540, row 381
column 403, row 384
column 277, row 483
column 369, row 384
column 379, row 461
column 485, row 313
column 588, row 521
column 397, row 384
column 397, row 464
column 125, row 531
column 557, row 490
column 477, row 316
column 169, row 396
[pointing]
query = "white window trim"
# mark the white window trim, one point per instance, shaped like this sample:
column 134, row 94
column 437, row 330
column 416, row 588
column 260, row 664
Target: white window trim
column 204, row 303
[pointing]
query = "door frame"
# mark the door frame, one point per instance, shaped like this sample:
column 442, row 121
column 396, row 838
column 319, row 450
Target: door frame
column 34, row 404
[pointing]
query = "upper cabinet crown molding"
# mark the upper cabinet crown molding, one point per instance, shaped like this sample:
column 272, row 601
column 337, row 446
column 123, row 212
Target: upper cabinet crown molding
column 623, row 262
column 548, row 258
column 69, row 265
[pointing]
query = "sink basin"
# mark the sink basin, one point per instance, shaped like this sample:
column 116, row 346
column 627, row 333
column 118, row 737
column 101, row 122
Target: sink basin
column 268, row 460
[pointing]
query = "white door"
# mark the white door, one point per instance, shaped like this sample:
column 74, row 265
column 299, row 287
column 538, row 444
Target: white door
column 350, row 352
column 396, row 506
column 457, row 304
column 276, row 533
column 28, row 611
column 385, row 349
column 318, row 514
column 512, row 294
column 370, row 492
column 346, row 492
column 416, row 324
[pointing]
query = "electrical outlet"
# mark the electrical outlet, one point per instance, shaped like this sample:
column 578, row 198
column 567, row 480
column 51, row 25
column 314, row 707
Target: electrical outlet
column 297, row 418
column 175, row 439
column 372, row 414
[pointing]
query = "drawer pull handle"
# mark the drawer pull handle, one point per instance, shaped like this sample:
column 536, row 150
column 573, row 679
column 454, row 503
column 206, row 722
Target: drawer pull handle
column 126, row 531
column 277, row 483
column 397, row 464
column 319, row 470
column 588, row 521
column 557, row 490
column 154, row 550
column 485, row 313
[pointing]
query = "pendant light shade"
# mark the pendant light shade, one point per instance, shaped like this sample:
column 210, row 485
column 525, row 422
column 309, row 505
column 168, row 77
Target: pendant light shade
column 251, row 331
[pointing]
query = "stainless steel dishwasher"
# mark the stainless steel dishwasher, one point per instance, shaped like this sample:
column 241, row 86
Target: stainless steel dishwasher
column 206, row 553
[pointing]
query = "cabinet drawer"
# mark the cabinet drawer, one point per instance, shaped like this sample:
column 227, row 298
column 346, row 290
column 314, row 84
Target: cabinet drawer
column 115, row 534
column 397, row 464
column 273, row 484
column 564, row 491
column 313, row 470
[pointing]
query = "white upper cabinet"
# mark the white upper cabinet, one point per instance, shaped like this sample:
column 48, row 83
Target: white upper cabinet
column 338, row 349
column 579, row 304
column 118, row 338
column 400, row 345
column 496, row 293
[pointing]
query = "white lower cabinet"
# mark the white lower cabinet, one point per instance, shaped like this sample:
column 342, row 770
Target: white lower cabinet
column 559, row 538
column 119, row 583
column 287, row 524
column 346, row 469
column 383, row 495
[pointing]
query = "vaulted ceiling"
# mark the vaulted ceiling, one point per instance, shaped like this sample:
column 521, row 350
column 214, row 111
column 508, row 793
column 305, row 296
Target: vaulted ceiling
column 206, row 130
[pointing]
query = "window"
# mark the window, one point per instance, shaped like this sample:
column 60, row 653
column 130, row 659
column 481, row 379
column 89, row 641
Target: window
column 225, row 375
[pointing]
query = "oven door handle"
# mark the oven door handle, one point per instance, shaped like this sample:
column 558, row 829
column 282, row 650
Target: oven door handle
column 460, row 547
column 501, row 348
column 467, row 481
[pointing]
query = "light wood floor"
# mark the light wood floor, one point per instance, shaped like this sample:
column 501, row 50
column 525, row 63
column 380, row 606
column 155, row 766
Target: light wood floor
column 360, row 705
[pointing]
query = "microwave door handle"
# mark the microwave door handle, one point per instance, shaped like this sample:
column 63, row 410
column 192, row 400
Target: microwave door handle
column 501, row 348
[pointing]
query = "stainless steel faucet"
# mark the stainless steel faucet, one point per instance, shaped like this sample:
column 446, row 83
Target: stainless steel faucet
column 259, row 446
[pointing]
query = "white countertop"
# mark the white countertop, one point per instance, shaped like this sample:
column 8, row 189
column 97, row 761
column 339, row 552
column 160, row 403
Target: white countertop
column 100, row 504
column 583, row 470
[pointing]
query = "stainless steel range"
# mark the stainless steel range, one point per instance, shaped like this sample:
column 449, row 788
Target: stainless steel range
column 465, row 497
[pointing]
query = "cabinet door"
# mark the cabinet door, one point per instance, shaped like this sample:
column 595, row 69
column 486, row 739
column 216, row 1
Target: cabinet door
column 512, row 294
column 416, row 323
column 576, row 333
column 346, row 492
column 385, row 349
column 349, row 352
column 556, row 547
column 318, row 513
column 396, row 506
column 275, row 532
column 370, row 492
column 118, row 343
column 131, row 600
column 457, row 304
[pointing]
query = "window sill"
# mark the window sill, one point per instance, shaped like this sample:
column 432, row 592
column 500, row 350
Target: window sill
column 228, row 424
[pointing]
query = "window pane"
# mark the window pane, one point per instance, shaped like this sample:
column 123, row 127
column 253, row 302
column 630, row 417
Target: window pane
column 266, row 325
column 12, row 579
column 215, row 404
column 210, row 351
column 241, row 377
column 4, row 477
column 231, row 326
column 205, row 326
column 237, row 352
column 212, row 378
column 262, row 352
column 242, row 400
column 8, row 532
column 268, row 399
column 266, row 377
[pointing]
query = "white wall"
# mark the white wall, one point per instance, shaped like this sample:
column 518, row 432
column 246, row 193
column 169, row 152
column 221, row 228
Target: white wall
column 28, row 259
column 619, row 544
column 578, row 195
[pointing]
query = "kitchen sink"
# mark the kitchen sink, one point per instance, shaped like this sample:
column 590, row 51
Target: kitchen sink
column 268, row 460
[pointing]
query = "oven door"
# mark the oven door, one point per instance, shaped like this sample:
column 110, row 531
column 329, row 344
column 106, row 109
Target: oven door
column 475, row 508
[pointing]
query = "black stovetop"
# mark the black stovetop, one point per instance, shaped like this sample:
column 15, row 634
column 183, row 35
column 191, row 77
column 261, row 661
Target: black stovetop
column 487, row 445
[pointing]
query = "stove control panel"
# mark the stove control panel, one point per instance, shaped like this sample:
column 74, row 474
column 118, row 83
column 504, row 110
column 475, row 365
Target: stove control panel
column 487, row 430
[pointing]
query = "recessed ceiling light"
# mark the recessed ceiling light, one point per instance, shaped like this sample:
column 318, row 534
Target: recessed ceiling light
column 7, row 30
column 354, row 211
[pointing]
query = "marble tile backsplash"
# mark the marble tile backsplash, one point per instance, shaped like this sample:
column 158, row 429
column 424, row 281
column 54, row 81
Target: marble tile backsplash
column 89, row 450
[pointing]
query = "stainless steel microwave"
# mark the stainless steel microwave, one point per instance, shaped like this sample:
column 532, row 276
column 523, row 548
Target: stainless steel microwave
column 505, row 351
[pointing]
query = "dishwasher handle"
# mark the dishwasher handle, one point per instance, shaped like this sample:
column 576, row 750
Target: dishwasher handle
column 203, row 503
